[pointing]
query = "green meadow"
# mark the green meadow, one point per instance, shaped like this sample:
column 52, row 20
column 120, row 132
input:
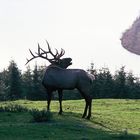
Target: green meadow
column 112, row 119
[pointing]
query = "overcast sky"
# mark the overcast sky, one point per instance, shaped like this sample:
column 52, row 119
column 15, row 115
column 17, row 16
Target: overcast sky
column 88, row 30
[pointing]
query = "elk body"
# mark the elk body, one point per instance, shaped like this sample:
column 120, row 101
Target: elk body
column 57, row 77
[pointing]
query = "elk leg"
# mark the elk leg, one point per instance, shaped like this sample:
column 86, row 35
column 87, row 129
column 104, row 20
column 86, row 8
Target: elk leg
column 49, row 100
column 60, row 101
column 86, row 100
column 85, row 111
column 90, row 105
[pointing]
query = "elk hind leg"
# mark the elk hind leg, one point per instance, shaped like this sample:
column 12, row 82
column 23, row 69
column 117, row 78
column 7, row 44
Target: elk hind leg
column 85, row 111
column 86, row 101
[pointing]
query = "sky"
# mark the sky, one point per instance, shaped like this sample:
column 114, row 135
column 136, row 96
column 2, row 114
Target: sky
column 88, row 31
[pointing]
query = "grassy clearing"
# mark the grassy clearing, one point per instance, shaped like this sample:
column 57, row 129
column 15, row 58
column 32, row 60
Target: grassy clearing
column 111, row 120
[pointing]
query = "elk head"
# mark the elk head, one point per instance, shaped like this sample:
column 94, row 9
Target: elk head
column 63, row 63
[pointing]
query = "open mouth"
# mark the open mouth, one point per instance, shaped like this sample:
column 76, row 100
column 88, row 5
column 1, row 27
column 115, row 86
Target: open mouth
column 71, row 62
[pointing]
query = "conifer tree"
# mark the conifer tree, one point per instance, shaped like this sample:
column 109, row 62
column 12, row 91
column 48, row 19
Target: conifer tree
column 14, row 78
column 27, row 78
column 120, row 83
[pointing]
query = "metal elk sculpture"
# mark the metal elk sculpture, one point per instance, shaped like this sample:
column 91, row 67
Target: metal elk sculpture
column 57, row 77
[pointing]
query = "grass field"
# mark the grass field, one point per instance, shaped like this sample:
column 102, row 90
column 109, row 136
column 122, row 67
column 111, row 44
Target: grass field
column 111, row 120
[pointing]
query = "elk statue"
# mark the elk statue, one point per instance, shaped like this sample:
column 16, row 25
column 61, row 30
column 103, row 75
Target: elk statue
column 57, row 77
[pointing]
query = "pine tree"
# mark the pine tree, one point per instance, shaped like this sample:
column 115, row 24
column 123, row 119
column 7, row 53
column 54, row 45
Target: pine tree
column 38, row 90
column 2, row 90
column 27, row 84
column 14, row 78
column 120, row 83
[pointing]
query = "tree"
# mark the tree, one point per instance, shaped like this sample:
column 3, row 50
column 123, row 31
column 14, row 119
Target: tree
column 108, row 84
column 38, row 90
column 105, row 84
column 3, row 85
column 2, row 90
column 120, row 83
column 27, row 84
column 14, row 80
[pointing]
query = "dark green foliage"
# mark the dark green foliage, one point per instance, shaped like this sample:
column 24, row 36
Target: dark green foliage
column 121, row 85
column 68, row 95
column 2, row 90
column 126, row 85
column 104, row 84
column 38, row 93
column 14, row 78
column 120, row 81
column 28, row 85
column 32, row 84
column 4, row 85
column 41, row 115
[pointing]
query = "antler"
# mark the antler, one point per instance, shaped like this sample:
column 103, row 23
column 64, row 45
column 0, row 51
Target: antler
column 44, row 54
column 57, row 55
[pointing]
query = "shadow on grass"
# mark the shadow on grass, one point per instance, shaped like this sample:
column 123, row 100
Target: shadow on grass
column 69, row 126
column 98, row 130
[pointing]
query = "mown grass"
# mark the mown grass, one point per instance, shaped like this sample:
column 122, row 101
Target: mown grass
column 111, row 120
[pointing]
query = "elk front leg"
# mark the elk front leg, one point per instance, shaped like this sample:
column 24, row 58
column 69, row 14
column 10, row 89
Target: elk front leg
column 90, row 105
column 60, row 101
column 49, row 100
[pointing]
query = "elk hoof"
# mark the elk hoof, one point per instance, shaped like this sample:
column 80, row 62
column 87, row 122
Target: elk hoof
column 60, row 113
column 83, row 116
column 88, row 117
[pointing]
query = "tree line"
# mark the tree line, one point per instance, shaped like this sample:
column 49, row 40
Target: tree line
column 28, row 85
